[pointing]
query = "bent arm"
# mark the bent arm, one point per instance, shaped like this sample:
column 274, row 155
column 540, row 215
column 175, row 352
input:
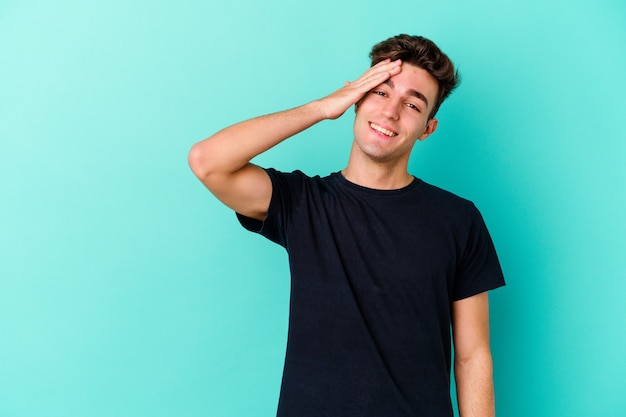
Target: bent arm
column 222, row 162
column 473, row 368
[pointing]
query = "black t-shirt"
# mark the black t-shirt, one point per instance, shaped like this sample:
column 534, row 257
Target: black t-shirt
column 373, row 276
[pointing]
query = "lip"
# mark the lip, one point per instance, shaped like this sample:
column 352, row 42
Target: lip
column 382, row 126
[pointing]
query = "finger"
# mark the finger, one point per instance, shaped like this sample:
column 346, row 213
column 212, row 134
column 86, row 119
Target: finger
column 386, row 64
column 382, row 69
column 373, row 78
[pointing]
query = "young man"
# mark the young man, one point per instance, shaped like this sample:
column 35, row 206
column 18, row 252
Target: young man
column 382, row 263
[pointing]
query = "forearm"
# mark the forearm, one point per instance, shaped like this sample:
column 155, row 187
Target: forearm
column 474, row 385
column 232, row 148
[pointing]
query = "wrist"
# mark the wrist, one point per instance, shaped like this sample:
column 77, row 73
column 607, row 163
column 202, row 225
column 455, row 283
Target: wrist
column 317, row 110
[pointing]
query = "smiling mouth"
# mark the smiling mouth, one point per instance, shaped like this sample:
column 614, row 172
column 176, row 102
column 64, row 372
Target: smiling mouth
column 382, row 130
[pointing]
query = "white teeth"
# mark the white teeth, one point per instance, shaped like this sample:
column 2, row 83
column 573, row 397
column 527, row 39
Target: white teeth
column 382, row 130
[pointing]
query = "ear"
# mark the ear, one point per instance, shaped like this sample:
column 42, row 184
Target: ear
column 431, row 126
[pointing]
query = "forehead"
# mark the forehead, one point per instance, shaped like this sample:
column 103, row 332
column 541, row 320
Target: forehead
column 414, row 78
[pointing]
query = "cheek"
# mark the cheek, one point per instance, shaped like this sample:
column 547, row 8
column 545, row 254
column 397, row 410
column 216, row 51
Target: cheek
column 417, row 126
column 419, row 129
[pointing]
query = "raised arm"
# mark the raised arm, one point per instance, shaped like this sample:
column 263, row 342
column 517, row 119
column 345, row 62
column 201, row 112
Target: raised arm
column 222, row 162
column 473, row 369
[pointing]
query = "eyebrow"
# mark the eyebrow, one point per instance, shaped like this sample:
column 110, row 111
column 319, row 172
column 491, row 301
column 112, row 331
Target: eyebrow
column 411, row 92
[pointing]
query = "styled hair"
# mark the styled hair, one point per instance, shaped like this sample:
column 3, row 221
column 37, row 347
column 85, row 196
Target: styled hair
column 424, row 54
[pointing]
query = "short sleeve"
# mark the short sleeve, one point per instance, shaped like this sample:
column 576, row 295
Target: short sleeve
column 275, row 225
column 478, row 268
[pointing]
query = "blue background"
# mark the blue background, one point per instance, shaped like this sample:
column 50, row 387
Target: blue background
column 126, row 289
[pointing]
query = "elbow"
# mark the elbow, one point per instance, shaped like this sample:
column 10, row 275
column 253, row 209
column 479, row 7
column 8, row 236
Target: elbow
column 478, row 357
column 199, row 161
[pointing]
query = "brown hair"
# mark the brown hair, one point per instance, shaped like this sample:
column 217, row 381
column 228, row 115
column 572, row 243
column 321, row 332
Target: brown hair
column 424, row 54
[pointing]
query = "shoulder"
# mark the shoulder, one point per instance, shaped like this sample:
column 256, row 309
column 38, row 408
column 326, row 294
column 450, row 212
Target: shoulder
column 298, row 180
column 445, row 200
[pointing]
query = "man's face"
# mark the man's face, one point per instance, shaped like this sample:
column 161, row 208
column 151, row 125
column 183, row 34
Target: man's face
column 393, row 116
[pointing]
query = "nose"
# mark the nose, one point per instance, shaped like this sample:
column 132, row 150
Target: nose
column 390, row 109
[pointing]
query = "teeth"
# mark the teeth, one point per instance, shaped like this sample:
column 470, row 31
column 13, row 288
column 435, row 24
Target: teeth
column 382, row 130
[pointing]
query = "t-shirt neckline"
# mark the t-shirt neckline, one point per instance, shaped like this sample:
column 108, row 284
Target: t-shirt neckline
column 338, row 176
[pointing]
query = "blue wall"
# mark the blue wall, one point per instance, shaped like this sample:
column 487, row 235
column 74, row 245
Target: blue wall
column 126, row 289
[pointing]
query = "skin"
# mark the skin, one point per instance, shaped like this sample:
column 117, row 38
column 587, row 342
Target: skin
column 473, row 367
column 400, row 105
column 391, row 96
